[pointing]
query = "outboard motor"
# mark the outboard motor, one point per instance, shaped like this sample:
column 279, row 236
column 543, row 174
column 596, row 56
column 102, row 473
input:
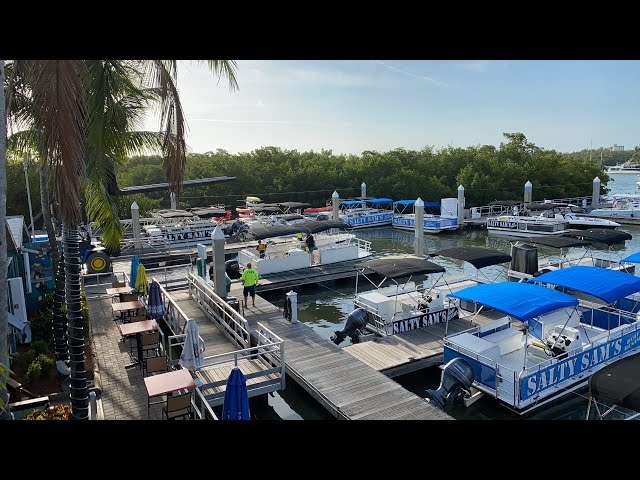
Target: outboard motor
column 353, row 328
column 232, row 267
column 457, row 378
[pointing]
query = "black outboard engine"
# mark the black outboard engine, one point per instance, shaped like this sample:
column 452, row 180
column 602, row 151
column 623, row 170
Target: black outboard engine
column 353, row 328
column 232, row 267
column 457, row 378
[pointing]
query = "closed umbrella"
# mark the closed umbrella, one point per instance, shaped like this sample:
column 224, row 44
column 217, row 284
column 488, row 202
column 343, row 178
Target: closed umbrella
column 192, row 356
column 155, row 305
column 236, row 399
column 142, row 283
column 135, row 261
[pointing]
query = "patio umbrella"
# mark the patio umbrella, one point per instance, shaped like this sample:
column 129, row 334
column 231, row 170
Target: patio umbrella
column 155, row 306
column 142, row 283
column 135, row 261
column 192, row 356
column 236, row 399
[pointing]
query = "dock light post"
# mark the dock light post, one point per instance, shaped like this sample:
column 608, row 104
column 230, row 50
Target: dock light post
column 595, row 199
column 334, row 205
column 135, row 225
column 418, row 209
column 25, row 163
column 460, row 207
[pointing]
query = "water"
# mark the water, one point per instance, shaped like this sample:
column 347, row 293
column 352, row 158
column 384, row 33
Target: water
column 325, row 309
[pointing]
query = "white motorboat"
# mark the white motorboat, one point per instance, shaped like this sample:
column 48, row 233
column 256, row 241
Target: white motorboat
column 622, row 206
column 626, row 167
column 286, row 248
column 561, row 211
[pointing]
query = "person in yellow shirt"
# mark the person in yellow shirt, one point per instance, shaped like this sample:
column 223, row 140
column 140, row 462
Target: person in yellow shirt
column 249, row 281
column 261, row 248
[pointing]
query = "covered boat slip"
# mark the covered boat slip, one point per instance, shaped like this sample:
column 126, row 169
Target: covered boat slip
column 563, row 344
column 368, row 213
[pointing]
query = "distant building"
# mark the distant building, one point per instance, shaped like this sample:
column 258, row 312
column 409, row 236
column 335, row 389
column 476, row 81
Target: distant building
column 617, row 148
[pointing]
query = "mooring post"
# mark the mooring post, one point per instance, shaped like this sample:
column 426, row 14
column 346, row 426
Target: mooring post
column 460, row 207
column 418, row 209
column 595, row 199
column 219, row 284
column 292, row 298
column 135, row 225
column 363, row 190
column 334, row 204
column 172, row 199
column 528, row 192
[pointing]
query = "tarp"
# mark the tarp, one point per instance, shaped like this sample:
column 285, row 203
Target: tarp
column 523, row 301
column 478, row 257
column 315, row 226
column 633, row 258
column 618, row 383
column 401, row 266
column 556, row 242
column 236, row 399
column 603, row 283
column 604, row 235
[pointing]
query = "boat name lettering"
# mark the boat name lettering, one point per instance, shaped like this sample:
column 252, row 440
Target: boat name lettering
column 188, row 235
column 583, row 361
column 501, row 224
column 381, row 217
column 414, row 323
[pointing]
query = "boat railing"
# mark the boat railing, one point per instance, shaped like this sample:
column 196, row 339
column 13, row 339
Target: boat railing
column 362, row 244
column 378, row 324
column 228, row 319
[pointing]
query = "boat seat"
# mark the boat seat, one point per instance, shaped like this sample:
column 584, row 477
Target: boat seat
column 470, row 345
column 508, row 340
column 494, row 325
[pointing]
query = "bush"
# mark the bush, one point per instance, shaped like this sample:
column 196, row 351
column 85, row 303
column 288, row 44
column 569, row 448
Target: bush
column 25, row 358
column 34, row 372
column 46, row 362
column 40, row 347
column 51, row 413
column 42, row 324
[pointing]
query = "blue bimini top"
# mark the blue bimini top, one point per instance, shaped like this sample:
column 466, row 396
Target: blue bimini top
column 634, row 258
column 607, row 285
column 523, row 301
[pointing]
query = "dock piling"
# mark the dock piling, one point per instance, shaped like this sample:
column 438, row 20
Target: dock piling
column 460, row 207
column 419, row 236
column 595, row 200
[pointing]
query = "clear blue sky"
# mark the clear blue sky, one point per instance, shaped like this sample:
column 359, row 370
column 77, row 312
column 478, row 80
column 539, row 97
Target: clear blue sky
column 352, row 106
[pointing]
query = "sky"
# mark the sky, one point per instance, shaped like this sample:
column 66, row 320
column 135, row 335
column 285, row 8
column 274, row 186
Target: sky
column 352, row 106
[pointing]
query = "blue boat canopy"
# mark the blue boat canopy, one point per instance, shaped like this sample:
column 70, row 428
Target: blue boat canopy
column 353, row 202
column 634, row 258
column 607, row 285
column 378, row 201
column 523, row 301
column 411, row 202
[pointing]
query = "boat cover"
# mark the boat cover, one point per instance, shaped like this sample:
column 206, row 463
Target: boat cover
column 478, row 257
column 411, row 202
column 633, row 258
column 379, row 201
column 207, row 212
column 173, row 214
column 618, row 383
column 294, row 204
column 523, row 301
column 603, row 283
column 556, row 242
column 401, row 266
column 604, row 235
column 353, row 202
column 314, row 226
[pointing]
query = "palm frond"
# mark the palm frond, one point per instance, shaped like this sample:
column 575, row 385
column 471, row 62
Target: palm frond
column 58, row 109
column 102, row 209
column 227, row 68
column 25, row 142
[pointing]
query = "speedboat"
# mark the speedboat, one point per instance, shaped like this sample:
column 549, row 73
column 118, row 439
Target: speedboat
column 286, row 250
column 372, row 212
column 562, row 343
column 626, row 167
column 622, row 206
column 564, row 212
column 404, row 218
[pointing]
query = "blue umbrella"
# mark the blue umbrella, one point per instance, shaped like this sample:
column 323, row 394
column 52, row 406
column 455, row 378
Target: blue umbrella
column 236, row 400
column 155, row 307
column 135, row 261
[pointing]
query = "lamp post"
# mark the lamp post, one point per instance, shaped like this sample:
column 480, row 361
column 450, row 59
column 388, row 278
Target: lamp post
column 25, row 163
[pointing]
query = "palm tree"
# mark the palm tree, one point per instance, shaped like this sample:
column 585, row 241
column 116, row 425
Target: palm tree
column 4, row 318
column 83, row 114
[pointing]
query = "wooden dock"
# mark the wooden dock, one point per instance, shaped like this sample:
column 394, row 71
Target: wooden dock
column 344, row 385
column 407, row 352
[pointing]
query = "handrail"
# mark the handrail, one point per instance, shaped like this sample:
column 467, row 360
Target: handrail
column 200, row 400
column 172, row 311
column 231, row 322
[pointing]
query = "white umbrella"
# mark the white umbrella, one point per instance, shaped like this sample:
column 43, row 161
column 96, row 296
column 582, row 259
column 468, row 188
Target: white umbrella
column 192, row 356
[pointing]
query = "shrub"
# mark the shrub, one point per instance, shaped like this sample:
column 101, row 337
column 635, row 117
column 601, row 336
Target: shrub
column 40, row 347
column 42, row 324
column 25, row 358
column 51, row 413
column 46, row 362
column 34, row 372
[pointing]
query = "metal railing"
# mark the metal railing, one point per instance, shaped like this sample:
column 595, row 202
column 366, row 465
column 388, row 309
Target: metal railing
column 231, row 322
column 201, row 407
column 174, row 317
column 98, row 281
column 497, row 210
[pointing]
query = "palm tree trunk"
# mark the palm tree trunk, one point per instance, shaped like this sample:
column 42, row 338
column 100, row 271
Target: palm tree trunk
column 4, row 318
column 59, row 322
column 46, row 214
column 75, row 336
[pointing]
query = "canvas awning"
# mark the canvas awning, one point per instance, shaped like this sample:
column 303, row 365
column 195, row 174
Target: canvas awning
column 478, row 257
column 401, row 266
column 604, row 235
column 556, row 242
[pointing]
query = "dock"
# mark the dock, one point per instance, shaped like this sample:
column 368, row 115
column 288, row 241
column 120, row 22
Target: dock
column 347, row 387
